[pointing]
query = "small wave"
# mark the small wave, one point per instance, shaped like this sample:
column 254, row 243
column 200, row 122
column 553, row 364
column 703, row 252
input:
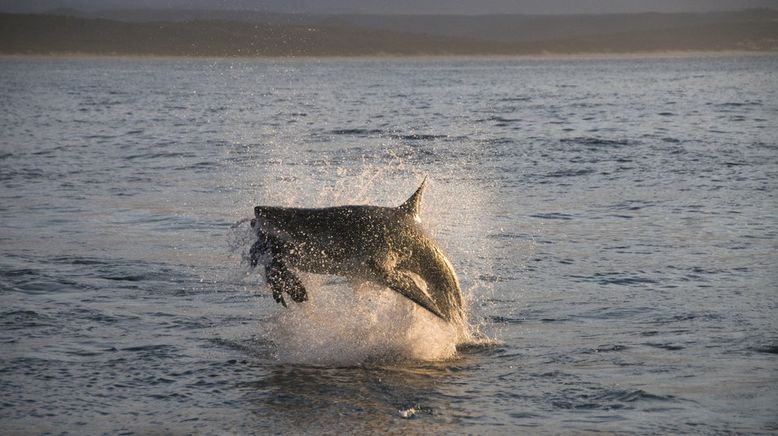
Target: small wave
column 631, row 205
column 617, row 278
column 741, row 103
column 765, row 145
column 664, row 346
column 769, row 349
column 22, row 174
column 570, row 173
column 688, row 316
column 31, row 281
column 629, row 280
column 199, row 166
column 93, row 315
column 419, row 137
column 515, row 99
column 161, row 155
column 148, row 348
column 89, row 261
column 125, row 278
column 23, row 319
column 615, row 312
column 596, row 142
column 506, row 320
column 502, row 121
column 253, row 346
column 495, row 141
column 357, row 132
column 608, row 348
column 632, row 396
column 152, row 351
column 553, row 216
column 611, row 400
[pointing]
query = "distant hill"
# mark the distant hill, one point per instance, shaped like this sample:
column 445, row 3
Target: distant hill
column 527, row 28
column 51, row 34
column 236, row 33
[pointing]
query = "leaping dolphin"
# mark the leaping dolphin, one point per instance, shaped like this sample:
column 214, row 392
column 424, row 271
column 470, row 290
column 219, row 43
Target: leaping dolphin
column 383, row 245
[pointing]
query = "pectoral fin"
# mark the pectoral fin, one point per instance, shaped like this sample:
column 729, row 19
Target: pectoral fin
column 412, row 287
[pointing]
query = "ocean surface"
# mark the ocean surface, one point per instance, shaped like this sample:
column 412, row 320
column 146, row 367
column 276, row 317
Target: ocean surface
column 613, row 223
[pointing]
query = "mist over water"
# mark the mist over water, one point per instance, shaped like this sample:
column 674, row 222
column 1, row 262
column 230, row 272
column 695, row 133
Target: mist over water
column 612, row 222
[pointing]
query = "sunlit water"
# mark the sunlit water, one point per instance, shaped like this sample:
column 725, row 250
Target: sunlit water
column 612, row 221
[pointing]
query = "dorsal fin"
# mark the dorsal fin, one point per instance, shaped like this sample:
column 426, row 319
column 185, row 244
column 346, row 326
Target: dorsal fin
column 412, row 206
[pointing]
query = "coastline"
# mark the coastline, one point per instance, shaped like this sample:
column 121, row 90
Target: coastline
column 62, row 35
column 676, row 54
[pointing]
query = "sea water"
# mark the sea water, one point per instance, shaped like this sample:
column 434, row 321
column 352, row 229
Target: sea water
column 612, row 222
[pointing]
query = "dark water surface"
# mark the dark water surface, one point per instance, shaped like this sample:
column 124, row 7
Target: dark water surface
column 613, row 223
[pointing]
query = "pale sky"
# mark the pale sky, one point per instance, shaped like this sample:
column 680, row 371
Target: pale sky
column 403, row 6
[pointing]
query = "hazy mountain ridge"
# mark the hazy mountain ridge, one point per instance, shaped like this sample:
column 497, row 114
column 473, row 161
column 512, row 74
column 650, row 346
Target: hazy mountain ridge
column 269, row 34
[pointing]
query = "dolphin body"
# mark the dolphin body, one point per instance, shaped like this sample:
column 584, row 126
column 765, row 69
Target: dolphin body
column 383, row 245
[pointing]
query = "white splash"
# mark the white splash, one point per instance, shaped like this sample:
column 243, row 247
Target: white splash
column 345, row 325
